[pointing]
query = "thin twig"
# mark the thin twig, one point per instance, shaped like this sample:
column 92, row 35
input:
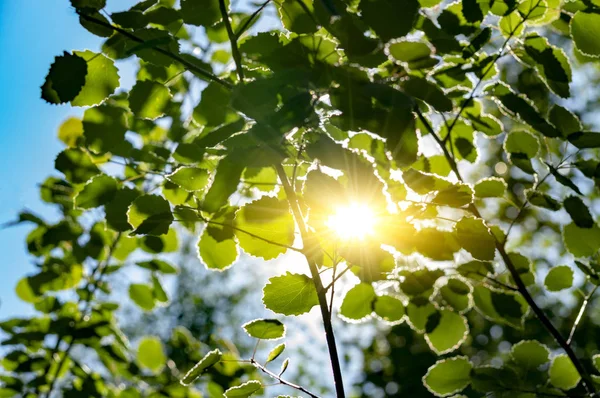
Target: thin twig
column 586, row 300
column 253, row 16
column 281, row 380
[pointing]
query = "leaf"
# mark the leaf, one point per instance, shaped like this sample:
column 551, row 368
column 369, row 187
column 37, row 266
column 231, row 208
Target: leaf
column 70, row 132
column 545, row 201
column 101, row 81
column 265, row 329
column 585, row 139
column 585, row 28
column 65, row 79
column 581, row 242
column 428, row 92
column 227, row 178
column 217, row 255
column 563, row 180
column 142, row 295
column 564, row 120
column 200, row 12
column 214, row 109
column 104, row 128
column 189, row 178
column 268, row 218
column 91, row 4
column 244, row 390
column 158, row 266
column 503, row 307
column 149, row 100
column 449, row 333
column 457, row 294
column 388, row 18
column 76, row 165
column 563, row 373
column 389, row 309
column 150, row 215
column 209, row 360
column 275, row 353
column 116, row 209
column 521, row 147
column 297, row 16
column 284, row 366
column 413, row 54
column 448, row 376
column 290, row 294
column 358, row 302
column 492, row 187
column 578, row 211
column 151, row 354
column 559, row 278
column 475, row 238
column 98, row 191
column 530, row 354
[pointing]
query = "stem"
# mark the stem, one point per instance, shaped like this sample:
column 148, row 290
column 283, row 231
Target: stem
column 560, row 340
column 321, row 292
column 282, row 381
column 586, row 300
column 243, row 28
column 235, row 52
column 191, row 67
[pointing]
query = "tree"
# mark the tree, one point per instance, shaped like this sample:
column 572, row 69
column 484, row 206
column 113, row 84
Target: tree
column 345, row 137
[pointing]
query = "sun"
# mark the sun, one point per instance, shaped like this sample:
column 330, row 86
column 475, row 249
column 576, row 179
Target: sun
column 354, row 221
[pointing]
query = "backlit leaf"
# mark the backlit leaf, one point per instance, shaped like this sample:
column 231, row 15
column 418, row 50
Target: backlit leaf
column 290, row 294
column 265, row 329
column 448, row 376
column 358, row 302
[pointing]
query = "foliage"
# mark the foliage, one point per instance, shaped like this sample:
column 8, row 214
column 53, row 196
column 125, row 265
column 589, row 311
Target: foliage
column 373, row 104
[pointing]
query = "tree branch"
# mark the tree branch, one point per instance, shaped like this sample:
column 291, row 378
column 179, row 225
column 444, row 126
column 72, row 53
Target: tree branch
column 191, row 67
column 321, row 292
column 281, row 380
column 235, row 52
column 586, row 300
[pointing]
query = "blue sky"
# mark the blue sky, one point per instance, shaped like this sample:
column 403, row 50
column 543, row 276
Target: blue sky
column 32, row 33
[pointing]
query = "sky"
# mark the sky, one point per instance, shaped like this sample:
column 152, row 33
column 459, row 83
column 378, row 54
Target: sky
column 32, row 33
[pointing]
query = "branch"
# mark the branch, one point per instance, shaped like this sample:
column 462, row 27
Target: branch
column 235, row 52
column 243, row 28
column 191, row 67
column 280, row 380
column 586, row 300
column 321, row 293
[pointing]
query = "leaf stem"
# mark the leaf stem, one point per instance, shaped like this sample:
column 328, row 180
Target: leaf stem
column 586, row 300
column 281, row 380
column 191, row 67
column 321, row 292
column 235, row 52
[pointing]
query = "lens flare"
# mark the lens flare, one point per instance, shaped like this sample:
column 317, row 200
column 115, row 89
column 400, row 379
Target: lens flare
column 355, row 221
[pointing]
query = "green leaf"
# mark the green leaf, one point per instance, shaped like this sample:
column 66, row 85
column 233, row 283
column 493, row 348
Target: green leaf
column 151, row 354
column 200, row 12
column 564, row 120
column 358, row 302
column 275, row 353
column 91, row 4
column 268, row 218
column 265, row 329
column 104, row 128
column 142, row 295
column 216, row 255
column 150, row 215
column 596, row 361
column 227, row 178
column 457, row 294
column 65, row 79
column 149, row 100
column 563, row 373
column 503, row 307
column 101, row 81
column 546, row 201
column 585, row 139
column 476, row 270
column 290, row 294
column 76, row 165
column 450, row 331
column 244, row 390
column 388, row 18
column 559, row 278
column 428, row 92
column 562, row 179
column 585, row 28
column 521, row 147
column 475, row 238
column 189, row 178
column 578, row 211
column 214, row 109
column 530, row 354
column 70, row 132
column 448, row 376
column 492, row 187
column 116, row 209
column 158, row 266
column 98, row 191
column 581, row 242
column 413, row 54
column 297, row 16
column 389, row 309
column 209, row 360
